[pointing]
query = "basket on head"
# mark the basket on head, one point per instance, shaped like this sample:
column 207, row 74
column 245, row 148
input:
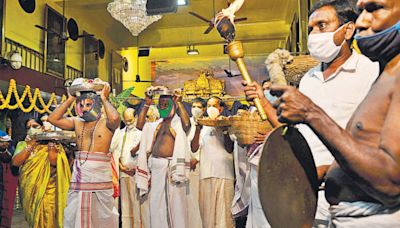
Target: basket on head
column 86, row 85
column 246, row 127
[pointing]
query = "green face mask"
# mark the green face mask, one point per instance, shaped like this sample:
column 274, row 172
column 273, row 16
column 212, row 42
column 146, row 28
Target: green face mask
column 165, row 112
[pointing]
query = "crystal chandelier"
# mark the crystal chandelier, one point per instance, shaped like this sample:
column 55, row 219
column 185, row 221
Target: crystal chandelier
column 132, row 14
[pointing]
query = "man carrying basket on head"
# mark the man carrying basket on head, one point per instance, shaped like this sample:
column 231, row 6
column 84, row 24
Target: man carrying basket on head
column 90, row 200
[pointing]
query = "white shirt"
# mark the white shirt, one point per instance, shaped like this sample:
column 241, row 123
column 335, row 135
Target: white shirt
column 132, row 139
column 215, row 161
column 339, row 96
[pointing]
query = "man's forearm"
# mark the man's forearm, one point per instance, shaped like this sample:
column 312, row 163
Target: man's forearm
column 372, row 168
column 57, row 116
column 185, row 119
column 113, row 117
column 271, row 113
column 142, row 117
column 59, row 112
column 135, row 150
column 195, row 144
column 228, row 143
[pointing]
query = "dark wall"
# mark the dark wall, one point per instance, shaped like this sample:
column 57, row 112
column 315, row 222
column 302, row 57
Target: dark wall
column 35, row 79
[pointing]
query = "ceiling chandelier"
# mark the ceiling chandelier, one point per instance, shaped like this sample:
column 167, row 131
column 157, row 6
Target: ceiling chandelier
column 132, row 14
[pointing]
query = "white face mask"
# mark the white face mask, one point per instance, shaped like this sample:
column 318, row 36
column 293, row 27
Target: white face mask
column 322, row 47
column 34, row 131
column 131, row 124
column 212, row 112
column 197, row 112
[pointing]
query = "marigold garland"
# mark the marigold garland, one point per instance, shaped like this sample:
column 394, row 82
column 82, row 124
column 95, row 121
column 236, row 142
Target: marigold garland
column 12, row 91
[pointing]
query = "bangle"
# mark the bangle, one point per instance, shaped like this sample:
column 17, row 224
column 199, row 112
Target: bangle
column 29, row 149
column 146, row 105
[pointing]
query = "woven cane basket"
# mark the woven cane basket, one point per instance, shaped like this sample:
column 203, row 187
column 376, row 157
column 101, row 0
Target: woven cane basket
column 247, row 127
column 214, row 122
column 296, row 70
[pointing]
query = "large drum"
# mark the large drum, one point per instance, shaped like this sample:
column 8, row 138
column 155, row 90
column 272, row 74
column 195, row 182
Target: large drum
column 287, row 179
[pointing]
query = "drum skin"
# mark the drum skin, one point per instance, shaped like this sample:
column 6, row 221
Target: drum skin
column 287, row 180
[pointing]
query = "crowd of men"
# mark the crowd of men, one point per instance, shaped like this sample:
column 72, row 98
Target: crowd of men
column 164, row 169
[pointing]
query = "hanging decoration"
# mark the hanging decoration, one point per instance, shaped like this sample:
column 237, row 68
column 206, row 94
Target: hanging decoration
column 132, row 14
column 41, row 108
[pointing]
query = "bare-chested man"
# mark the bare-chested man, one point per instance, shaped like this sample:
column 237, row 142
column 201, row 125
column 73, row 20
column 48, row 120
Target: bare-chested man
column 90, row 200
column 165, row 143
column 363, row 185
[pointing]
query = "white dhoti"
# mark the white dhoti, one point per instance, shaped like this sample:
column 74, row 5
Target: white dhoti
column 168, row 200
column 134, row 214
column 256, row 217
column 322, row 214
column 90, row 200
column 216, row 196
column 241, row 199
column 193, row 200
column 168, row 190
column 364, row 214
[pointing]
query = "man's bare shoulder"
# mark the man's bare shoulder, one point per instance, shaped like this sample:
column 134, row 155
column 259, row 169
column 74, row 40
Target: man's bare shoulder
column 77, row 120
column 102, row 124
column 393, row 68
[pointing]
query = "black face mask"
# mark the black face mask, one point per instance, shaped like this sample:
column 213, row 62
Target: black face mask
column 90, row 116
column 95, row 112
column 382, row 46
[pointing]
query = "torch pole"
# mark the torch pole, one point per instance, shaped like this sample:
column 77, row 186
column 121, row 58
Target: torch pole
column 235, row 51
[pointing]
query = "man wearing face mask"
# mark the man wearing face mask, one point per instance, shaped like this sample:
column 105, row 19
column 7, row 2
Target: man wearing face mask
column 337, row 85
column 44, row 178
column 133, row 214
column 198, row 110
column 362, row 185
column 92, row 166
column 266, row 85
column 162, row 158
column 216, row 170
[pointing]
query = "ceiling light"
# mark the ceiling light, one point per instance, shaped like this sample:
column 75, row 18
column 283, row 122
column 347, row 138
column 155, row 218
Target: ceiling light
column 191, row 50
column 132, row 14
column 181, row 2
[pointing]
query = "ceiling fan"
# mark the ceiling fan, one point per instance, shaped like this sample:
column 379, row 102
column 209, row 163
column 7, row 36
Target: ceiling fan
column 71, row 26
column 210, row 22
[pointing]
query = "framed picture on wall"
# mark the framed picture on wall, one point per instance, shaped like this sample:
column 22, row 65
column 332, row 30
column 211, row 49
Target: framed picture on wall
column 55, row 45
column 90, row 56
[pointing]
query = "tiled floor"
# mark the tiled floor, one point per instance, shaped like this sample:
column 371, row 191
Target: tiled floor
column 18, row 220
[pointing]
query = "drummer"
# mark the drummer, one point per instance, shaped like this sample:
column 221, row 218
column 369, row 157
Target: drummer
column 216, row 170
column 42, row 167
column 338, row 84
column 363, row 184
